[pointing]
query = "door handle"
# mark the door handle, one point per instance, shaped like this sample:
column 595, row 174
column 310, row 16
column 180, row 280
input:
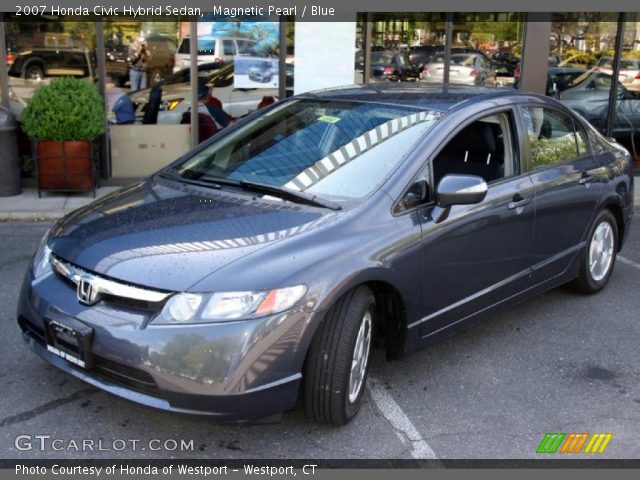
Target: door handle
column 518, row 202
column 585, row 178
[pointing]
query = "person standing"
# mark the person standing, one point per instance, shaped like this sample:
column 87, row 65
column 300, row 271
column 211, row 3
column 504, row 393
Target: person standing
column 138, row 57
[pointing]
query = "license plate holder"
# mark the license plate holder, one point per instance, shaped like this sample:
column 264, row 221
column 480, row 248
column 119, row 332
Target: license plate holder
column 70, row 339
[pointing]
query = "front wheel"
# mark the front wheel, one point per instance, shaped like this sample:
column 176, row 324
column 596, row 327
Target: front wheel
column 338, row 361
column 34, row 72
column 599, row 256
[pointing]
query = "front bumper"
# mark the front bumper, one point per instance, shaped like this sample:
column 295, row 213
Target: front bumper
column 232, row 371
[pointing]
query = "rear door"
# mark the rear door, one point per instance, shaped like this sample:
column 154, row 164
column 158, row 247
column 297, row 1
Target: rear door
column 566, row 179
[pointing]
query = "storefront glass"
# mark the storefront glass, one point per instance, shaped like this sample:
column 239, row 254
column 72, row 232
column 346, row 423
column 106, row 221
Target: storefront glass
column 402, row 46
column 486, row 49
column 38, row 52
column 581, row 71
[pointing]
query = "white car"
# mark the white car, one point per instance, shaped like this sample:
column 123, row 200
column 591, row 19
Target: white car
column 212, row 49
column 176, row 99
column 465, row 68
column 629, row 75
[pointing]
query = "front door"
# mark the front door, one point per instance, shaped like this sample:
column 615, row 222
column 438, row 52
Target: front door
column 480, row 254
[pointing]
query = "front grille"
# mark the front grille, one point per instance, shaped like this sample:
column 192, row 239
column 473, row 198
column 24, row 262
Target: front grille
column 115, row 372
column 108, row 289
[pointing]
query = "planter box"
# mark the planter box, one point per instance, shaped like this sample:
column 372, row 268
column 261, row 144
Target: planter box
column 65, row 166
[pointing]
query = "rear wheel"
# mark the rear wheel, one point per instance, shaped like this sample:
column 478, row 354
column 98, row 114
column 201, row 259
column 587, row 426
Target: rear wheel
column 599, row 256
column 338, row 361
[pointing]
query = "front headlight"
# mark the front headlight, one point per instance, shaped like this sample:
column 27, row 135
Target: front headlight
column 228, row 306
column 41, row 265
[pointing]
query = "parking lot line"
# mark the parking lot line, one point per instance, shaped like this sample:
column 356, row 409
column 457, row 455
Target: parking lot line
column 626, row 261
column 404, row 428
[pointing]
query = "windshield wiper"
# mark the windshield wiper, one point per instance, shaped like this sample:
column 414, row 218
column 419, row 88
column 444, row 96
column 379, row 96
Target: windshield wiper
column 172, row 175
column 280, row 192
column 274, row 190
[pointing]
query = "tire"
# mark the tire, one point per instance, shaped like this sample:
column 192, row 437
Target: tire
column 334, row 382
column 34, row 72
column 599, row 256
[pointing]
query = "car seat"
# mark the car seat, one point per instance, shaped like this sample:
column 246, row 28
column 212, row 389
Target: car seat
column 472, row 152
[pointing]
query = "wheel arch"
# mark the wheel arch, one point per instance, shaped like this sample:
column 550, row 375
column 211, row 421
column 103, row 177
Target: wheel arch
column 33, row 61
column 613, row 205
column 617, row 214
column 390, row 330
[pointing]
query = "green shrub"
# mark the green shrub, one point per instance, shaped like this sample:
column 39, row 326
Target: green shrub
column 65, row 109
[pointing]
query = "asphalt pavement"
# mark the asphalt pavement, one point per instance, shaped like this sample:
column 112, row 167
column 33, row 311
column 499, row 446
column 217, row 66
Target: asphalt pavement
column 560, row 363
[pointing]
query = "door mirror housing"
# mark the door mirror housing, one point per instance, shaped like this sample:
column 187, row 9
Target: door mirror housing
column 460, row 190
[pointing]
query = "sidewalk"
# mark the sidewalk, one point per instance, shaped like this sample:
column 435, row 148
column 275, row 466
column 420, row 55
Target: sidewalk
column 28, row 207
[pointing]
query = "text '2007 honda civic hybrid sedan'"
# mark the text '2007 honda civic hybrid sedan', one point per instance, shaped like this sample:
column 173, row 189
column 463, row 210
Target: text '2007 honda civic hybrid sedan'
column 265, row 265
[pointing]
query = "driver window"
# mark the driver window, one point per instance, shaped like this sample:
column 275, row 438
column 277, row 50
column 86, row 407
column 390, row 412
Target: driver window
column 483, row 148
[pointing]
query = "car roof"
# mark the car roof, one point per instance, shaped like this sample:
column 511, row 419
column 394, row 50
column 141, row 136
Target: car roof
column 433, row 97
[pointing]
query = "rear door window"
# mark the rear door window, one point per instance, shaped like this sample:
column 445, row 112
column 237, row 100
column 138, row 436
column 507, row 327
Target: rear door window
column 552, row 137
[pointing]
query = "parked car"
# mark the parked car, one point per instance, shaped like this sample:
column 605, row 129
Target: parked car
column 213, row 49
column 161, row 61
column 261, row 72
column 176, row 97
column 506, row 57
column 590, row 98
column 629, row 74
column 394, row 66
column 420, row 55
column 117, row 64
column 266, row 264
column 40, row 63
column 465, row 68
column 560, row 79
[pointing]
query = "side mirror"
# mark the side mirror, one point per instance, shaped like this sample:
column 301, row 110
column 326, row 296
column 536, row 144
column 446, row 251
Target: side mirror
column 460, row 190
column 417, row 194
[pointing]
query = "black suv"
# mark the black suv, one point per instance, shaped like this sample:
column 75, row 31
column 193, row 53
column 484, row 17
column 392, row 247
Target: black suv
column 39, row 63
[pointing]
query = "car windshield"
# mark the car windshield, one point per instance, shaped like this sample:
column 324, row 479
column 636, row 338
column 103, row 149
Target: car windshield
column 337, row 150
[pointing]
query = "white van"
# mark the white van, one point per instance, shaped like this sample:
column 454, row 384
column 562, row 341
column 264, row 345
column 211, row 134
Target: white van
column 212, row 49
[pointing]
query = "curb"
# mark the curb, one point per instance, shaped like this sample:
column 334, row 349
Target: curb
column 30, row 217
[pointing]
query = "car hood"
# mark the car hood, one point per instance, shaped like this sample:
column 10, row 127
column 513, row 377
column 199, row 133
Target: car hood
column 168, row 235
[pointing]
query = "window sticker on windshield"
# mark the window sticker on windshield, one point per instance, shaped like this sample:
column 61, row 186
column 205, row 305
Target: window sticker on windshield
column 328, row 119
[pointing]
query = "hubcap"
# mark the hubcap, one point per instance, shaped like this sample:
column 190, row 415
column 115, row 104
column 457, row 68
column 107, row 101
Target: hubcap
column 601, row 251
column 34, row 74
column 360, row 357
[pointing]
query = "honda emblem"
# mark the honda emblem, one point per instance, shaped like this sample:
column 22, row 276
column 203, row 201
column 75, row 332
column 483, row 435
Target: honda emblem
column 87, row 293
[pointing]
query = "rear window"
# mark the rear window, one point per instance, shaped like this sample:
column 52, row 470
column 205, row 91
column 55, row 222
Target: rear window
column 381, row 57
